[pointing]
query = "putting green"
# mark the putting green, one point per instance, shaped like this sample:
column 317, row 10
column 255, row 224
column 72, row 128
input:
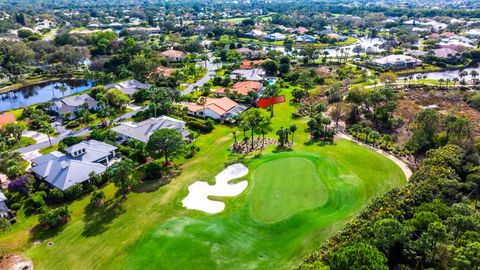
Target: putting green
column 284, row 186
column 294, row 202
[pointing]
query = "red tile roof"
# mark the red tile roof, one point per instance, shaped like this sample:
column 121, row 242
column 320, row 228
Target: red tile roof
column 6, row 118
column 242, row 88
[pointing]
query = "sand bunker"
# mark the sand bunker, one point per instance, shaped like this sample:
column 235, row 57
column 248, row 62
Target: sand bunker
column 199, row 191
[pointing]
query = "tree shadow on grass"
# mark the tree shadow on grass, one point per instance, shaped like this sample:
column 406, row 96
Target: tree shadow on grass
column 281, row 149
column 154, row 185
column 96, row 219
column 40, row 233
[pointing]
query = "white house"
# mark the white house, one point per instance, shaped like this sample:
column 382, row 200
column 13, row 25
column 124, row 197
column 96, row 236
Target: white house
column 73, row 103
column 216, row 108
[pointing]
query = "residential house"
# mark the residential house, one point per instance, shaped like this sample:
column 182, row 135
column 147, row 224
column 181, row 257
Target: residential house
column 445, row 53
column 397, row 62
column 165, row 71
column 473, row 33
column 255, row 74
column 275, row 37
column 73, row 103
column 306, row 39
column 142, row 131
column 65, row 170
column 249, row 64
column 300, row 30
column 242, row 88
column 173, row 55
column 4, row 211
column 128, row 87
column 223, row 109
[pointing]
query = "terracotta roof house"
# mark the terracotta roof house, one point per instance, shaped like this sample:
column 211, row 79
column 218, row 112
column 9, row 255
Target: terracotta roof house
column 6, row 118
column 242, row 88
column 173, row 55
column 142, row 131
column 165, row 71
column 65, row 170
column 249, row 64
column 128, row 87
column 217, row 108
column 300, row 30
column 445, row 53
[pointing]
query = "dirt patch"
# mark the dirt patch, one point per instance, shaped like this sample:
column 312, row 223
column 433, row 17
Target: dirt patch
column 446, row 102
column 15, row 262
column 259, row 144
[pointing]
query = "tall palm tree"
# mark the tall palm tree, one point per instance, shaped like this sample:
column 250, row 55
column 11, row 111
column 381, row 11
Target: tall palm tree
column 292, row 129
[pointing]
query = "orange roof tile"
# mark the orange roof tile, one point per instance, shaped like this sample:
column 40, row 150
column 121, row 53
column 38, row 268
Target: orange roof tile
column 6, row 118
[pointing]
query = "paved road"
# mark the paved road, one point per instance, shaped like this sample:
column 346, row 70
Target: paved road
column 211, row 67
column 55, row 140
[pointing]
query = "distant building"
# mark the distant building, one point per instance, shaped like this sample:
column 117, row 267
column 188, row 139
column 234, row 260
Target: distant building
column 142, row 131
column 242, row 88
column 4, row 211
column 65, row 170
column 306, row 39
column 173, row 55
column 128, row 87
column 275, row 37
column 397, row 62
column 255, row 74
column 473, row 33
column 445, row 53
column 223, row 109
column 73, row 103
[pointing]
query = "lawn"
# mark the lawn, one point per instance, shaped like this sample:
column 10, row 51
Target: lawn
column 294, row 201
column 320, row 187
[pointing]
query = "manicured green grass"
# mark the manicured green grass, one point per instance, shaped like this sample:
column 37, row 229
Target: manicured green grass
column 152, row 229
column 294, row 200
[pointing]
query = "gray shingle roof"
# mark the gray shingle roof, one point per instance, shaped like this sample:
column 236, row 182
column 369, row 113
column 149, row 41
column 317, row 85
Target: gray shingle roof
column 2, row 197
column 65, row 170
column 141, row 131
column 70, row 104
column 128, row 87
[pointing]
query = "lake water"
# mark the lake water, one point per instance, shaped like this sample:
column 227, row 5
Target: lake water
column 367, row 43
column 447, row 74
column 38, row 93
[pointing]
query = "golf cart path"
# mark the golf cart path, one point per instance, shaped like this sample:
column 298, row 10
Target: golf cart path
column 400, row 163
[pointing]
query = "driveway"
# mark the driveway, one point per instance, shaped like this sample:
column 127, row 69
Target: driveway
column 211, row 68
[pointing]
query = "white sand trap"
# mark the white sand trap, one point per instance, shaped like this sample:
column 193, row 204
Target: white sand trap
column 199, row 191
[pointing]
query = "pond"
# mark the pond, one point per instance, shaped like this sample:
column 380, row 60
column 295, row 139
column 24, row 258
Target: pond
column 447, row 74
column 43, row 92
column 372, row 44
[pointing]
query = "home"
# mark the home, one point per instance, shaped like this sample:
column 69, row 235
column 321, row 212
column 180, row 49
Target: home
column 255, row 74
column 75, row 166
column 456, row 44
column 445, row 53
column 206, row 43
column 165, row 71
column 128, row 87
column 305, row 39
column 473, row 33
column 255, row 34
column 173, row 55
column 300, row 30
column 275, row 37
column 223, row 109
column 73, row 103
column 4, row 211
column 242, row 88
column 397, row 62
column 142, row 131
column 249, row 64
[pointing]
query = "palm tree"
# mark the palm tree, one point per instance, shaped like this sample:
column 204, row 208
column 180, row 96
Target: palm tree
column 63, row 89
column 47, row 129
column 202, row 101
column 474, row 74
column 455, row 81
column 293, row 128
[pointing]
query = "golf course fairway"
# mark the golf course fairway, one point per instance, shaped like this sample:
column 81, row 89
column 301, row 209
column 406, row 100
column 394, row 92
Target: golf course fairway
column 294, row 201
